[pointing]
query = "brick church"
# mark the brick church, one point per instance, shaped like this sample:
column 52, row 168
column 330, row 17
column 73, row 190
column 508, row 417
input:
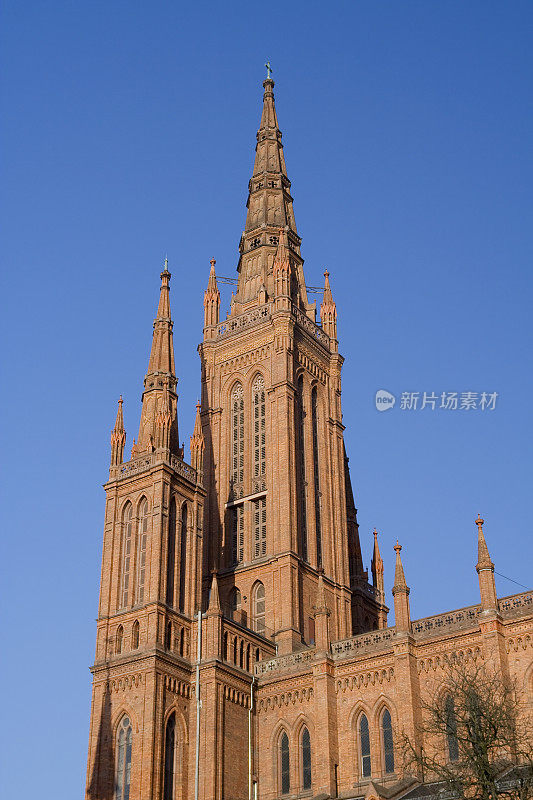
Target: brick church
column 242, row 649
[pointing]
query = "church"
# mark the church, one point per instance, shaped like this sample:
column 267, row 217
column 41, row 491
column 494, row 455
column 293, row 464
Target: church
column 242, row 650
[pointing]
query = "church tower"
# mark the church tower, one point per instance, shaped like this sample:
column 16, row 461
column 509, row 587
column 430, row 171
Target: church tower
column 248, row 552
column 150, row 589
column 280, row 509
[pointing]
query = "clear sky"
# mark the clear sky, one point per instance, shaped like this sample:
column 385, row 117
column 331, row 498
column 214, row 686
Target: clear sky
column 128, row 133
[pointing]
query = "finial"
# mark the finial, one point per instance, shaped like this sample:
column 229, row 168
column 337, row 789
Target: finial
column 479, row 521
column 165, row 273
column 269, row 70
column 375, row 534
column 397, row 547
column 213, row 262
column 326, row 274
column 120, row 401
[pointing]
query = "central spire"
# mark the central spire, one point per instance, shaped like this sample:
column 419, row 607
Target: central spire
column 269, row 211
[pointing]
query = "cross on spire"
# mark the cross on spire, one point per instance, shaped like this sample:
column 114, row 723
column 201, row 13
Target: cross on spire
column 269, row 70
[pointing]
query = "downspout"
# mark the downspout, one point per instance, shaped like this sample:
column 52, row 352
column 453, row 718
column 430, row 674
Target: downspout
column 198, row 706
column 250, row 787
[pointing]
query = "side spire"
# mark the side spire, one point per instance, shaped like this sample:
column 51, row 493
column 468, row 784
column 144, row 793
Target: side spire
column 485, row 571
column 159, row 423
column 328, row 311
column 212, row 299
column 400, row 590
column 214, row 596
column 197, row 444
column 118, row 437
column 377, row 569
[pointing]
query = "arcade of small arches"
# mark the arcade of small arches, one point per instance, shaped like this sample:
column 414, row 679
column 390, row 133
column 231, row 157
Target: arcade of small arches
column 292, row 751
column 176, row 638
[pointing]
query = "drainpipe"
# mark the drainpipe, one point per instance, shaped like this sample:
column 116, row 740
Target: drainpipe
column 250, row 787
column 198, row 706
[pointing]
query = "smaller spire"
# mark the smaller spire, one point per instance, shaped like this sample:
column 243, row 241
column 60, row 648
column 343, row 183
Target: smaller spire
column 485, row 570
column 377, row 567
column 483, row 556
column 400, row 584
column 214, row 595
column 328, row 310
column 212, row 299
column 118, row 437
column 197, row 444
column 400, row 591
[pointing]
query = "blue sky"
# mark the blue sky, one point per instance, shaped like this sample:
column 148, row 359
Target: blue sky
column 128, row 133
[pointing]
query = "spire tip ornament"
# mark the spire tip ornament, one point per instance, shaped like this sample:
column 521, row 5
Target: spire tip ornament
column 269, row 71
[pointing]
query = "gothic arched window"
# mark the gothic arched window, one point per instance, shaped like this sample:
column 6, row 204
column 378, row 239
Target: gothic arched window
column 123, row 773
column 235, row 604
column 237, row 434
column 259, row 406
column 135, row 635
column 364, row 747
column 451, row 729
column 142, row 531
column 316, row 463
column 183, row 555
column 170, row 757
column 388, row 741
column 258, row 608
column 171, row 552
column 284, row 764
column 300, row 460
column 168, row 636
column 305, row 747
column 126, row 555
column 119, row 638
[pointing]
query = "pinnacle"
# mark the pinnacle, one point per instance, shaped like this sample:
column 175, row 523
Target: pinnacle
column 119, row 422
column 377, row 561
column 483, row 555
column 400, row 583
column 214, row 596
column 328, row 301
